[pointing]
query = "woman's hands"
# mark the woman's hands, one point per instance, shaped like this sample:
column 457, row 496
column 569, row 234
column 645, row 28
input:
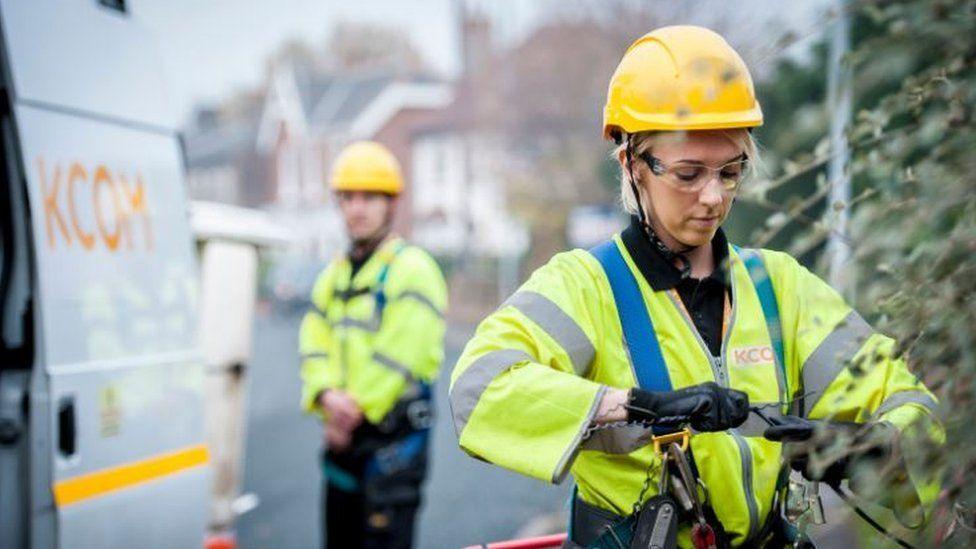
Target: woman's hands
column 707, row 407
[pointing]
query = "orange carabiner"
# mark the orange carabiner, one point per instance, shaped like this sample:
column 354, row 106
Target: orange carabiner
column 682, row 437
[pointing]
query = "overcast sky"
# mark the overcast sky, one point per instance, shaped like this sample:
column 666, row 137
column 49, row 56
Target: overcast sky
column 211, row 48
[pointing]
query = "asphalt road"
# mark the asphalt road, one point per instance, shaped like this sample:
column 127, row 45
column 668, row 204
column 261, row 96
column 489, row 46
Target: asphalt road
column 466, row 501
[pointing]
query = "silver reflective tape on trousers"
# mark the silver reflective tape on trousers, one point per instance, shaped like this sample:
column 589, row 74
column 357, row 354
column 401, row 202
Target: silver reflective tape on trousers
column 901, row 398
column 394, row 365
column 559, row 325
column 469, row 386
column 833, row 355
column 411, row 294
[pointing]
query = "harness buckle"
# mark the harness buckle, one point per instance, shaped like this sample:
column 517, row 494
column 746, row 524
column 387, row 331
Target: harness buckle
column 682, row 438
column 420, row 414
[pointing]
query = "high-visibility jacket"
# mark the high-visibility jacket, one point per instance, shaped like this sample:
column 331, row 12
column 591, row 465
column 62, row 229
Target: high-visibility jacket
column 527, row 385
column 378, row 334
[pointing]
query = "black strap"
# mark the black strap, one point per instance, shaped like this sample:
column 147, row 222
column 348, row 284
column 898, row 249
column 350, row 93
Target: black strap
column 348, row 293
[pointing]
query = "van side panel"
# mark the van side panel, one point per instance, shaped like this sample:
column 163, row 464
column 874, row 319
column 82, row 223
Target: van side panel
column 77, row 55
column 117, row 291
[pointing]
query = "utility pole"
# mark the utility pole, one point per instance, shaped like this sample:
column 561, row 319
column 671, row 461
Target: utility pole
column 838, row 173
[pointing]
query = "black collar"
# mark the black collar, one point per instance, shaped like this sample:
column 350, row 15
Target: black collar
column 661, row 274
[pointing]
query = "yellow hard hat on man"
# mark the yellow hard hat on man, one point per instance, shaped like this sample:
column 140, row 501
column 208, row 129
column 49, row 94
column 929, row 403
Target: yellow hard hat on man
column 366, row 166
column 680, row 78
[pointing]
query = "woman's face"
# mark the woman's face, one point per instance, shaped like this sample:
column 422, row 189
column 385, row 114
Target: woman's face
column 690, row 218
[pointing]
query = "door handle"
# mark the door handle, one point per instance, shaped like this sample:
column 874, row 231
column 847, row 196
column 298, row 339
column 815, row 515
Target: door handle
column 67, row 427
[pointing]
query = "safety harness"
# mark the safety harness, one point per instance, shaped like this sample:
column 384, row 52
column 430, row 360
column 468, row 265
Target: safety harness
column 405, row 431
column 652, row 375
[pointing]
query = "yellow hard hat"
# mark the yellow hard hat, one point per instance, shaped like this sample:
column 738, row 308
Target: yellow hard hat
column 366, row 166
column 680, row 78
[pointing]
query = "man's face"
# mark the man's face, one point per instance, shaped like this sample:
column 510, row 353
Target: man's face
column 365, row 213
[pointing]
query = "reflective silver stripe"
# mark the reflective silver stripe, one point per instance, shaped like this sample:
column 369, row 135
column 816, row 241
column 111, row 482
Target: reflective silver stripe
column 754, row 425
column 411, row 294
column 369, row 326
column 467, row 389
column 394, row 365
column 619, row 440
column 901, row 398
column 745, row 451
column 569, row 456
column 559, row 325
column 833, row 355
column 307, row 356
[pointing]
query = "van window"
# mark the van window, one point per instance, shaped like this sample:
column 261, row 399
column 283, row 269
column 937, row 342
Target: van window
column 15, row 290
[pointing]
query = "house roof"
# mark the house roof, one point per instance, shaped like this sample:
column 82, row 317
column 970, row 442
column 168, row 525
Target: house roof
column 328, row 103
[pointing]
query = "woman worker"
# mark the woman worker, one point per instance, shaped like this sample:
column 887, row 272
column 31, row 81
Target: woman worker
column 667, row 325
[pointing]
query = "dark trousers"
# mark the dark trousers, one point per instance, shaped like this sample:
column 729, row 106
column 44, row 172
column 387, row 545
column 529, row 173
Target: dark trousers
column 380, row 511
column 348, row 525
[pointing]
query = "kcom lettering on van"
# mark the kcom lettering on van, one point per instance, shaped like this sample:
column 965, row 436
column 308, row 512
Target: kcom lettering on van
column 94, row 207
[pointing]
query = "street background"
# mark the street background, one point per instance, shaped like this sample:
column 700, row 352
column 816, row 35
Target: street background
column 493, row 109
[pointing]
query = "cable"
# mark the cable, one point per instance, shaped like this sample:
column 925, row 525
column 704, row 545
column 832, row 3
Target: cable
column 867, row 518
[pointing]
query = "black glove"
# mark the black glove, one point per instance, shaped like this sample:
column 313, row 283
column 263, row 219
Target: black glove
column 868, row 455
column 827, row 451
column 707, row 407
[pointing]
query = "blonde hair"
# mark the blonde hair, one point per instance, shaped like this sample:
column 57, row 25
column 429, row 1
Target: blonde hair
column 643, row 141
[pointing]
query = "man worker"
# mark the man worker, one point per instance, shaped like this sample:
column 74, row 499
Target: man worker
column 371, row 346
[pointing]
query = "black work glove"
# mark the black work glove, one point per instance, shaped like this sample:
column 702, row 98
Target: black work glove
column 707, row 407
column 827, row 451
column 868, row 455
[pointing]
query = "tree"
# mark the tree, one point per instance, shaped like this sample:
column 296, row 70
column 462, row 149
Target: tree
column 913, row 215
column 367, row 46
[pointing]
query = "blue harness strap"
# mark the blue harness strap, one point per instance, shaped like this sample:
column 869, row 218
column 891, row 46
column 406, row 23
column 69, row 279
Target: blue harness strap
column 639, row 335
column 770, row 308
column 381, row 280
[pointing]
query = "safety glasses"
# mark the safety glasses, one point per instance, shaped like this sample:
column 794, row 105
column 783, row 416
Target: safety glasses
column 691, row 177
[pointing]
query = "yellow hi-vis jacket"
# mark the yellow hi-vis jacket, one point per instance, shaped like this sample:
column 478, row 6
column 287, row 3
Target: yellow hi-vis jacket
column 347, row 342
column 527, row 385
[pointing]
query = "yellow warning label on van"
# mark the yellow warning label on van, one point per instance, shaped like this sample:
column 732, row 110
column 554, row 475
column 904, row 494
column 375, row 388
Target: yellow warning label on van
column 109, row 412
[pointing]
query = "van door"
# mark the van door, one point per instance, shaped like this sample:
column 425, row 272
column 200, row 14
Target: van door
column 117, row 372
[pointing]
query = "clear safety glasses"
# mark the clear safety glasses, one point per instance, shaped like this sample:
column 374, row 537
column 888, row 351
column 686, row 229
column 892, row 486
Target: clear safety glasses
column 691, row 177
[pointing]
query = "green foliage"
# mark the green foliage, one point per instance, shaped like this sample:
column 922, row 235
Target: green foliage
column 913, row 219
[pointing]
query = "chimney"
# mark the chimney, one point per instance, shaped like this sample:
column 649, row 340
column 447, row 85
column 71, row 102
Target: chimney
column 475, row 40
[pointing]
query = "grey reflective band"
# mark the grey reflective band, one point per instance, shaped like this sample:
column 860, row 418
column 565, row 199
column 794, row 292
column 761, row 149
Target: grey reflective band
column 901, row 398
column 369, row 326
column 307, row 356
column 619, row 440
column 412, row 294
column 569, row 455
column 469, row 386
column 560, row 326
column 397, row 367
column 833, row 355
column 754, row 425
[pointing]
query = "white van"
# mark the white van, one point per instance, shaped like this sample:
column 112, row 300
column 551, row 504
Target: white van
column 101, row 376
